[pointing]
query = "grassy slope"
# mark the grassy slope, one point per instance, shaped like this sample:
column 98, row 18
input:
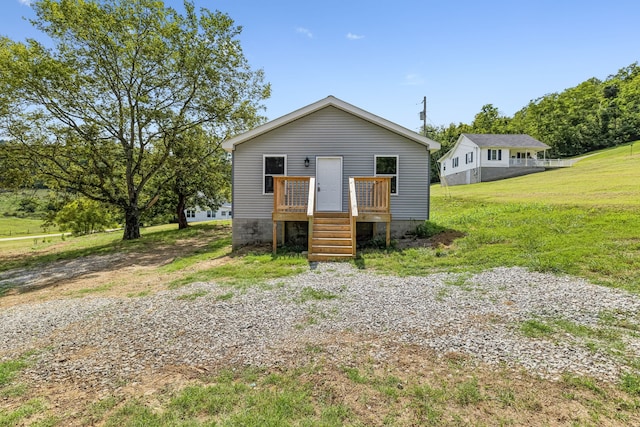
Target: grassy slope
column 13, row 222
column 583, row 220
column 606, row 178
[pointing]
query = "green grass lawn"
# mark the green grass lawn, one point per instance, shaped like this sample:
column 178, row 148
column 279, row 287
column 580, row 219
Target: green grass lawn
column 15, row 222
column 583, row 220
column 12, row 226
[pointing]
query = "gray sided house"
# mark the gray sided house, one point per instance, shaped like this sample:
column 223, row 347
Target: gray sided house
column 489, row 157
column 322, row 174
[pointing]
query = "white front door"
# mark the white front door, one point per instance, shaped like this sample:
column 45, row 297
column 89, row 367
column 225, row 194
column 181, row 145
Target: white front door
column 329, row 184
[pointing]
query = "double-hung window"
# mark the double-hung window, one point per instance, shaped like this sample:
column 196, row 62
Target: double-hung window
column 388, row 166
column 468, row 158
column 272, row 165
column 455, row 162
column 494, row 154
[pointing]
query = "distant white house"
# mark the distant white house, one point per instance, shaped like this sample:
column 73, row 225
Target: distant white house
column 490, row 157
column 197, row 214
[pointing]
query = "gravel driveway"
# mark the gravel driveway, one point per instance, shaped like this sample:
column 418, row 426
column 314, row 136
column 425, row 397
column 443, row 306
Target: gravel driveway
column 105, row 340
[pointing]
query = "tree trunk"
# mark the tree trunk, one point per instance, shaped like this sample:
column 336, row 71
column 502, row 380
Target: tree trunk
column 131, row 224
column 182, row 217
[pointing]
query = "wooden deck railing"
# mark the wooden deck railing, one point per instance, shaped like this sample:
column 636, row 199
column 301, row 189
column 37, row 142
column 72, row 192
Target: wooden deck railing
column 353, row 212
column 373, row 194
column 311, row 208
column 294, row 200
column 291, row 194
column 370, row 199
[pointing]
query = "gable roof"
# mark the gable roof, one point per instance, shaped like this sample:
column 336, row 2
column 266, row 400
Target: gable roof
column 505, row 140
column 330, row 101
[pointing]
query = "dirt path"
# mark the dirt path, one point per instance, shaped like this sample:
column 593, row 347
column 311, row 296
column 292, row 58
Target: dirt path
column 112, row 275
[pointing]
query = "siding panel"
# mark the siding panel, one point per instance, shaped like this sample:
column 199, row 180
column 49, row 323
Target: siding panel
column 331, row 132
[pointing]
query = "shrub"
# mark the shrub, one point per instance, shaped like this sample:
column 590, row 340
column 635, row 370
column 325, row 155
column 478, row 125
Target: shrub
column 28, row 205
column 428, row 229
column 84, row 216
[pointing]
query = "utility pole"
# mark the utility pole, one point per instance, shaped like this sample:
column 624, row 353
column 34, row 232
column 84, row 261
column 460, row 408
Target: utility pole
column 423, row 115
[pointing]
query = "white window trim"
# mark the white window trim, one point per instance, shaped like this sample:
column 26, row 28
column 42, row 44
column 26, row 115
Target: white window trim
column 397, row 174
column 498, row 154
column 264, row 157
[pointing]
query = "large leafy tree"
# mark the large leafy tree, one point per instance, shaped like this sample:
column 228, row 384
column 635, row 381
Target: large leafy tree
column 199, row 175
column 102, row 111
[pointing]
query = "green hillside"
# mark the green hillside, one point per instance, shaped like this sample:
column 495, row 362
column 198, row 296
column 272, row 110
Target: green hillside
column 610, row 177
column 583, row 221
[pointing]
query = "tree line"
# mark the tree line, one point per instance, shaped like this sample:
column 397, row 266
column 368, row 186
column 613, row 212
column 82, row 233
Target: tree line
column 126, row 104
column 593, row 115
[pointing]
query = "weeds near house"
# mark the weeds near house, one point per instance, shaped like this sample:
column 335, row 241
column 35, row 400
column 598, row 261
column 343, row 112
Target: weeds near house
column 535, row 329
column 630, row 383
column 468, row 392
column 225, row 297
column 9, row 369
column 192, row 296
column 249, row 270
column 308, row 294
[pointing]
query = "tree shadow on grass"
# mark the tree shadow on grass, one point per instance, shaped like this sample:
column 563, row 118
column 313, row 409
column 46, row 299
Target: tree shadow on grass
column 153, row 249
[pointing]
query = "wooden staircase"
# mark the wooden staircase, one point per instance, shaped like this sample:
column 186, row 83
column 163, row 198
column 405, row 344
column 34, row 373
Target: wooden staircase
column 331, row 237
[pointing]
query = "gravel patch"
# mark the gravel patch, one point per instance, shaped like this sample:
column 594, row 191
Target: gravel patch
column 105, row 340
column 25, row 278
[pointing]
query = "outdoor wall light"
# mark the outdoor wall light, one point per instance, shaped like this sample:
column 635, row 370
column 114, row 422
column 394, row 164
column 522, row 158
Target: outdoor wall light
column 306, row 162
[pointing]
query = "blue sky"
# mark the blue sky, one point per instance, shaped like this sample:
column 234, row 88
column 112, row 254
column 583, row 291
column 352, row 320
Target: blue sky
column 384, row 56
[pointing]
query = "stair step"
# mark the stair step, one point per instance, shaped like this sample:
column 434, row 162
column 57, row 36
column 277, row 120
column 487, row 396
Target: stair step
column 331, row 221
column 329, row 257
column 343, row 234
column 331, row 215
column 331, row 227
column 331, row 249
column 331, row 241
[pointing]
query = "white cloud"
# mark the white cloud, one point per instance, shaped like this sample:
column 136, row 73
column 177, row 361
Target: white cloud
column 352, row 36
column 304, row 31
column 25, row 2
column 413, row 79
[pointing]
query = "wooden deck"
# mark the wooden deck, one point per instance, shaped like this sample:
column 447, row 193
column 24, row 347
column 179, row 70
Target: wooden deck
column 331, row 235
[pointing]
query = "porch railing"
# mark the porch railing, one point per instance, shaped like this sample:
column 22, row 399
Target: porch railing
column 541, row 163
column 311, row 208
column 291, row 194
column 373, row 194
column 353, row 212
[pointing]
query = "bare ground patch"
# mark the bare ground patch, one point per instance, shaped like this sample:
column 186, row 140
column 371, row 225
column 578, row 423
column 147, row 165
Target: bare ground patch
column 114, row 275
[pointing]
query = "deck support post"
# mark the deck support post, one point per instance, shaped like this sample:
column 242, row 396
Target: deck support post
column 388, row 227
column 275, row 236
column 284, row 227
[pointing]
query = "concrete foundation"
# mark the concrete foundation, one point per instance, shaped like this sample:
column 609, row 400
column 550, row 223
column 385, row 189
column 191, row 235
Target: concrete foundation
column 258, row 231
column 474, row 176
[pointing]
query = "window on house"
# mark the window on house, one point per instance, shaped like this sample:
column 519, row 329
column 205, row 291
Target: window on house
column 223, row 213
column 454, row 162
column 494, row 154
column 388, row 166
column 191, row 213
column 209, row 214
column 468, row 158
column 273, row 165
